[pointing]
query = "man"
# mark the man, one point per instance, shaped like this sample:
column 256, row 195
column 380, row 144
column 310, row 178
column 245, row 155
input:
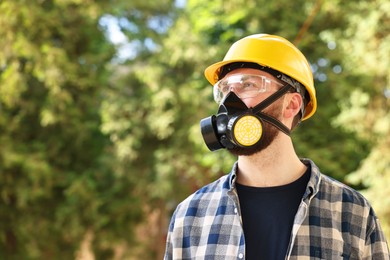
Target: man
column 272, row 205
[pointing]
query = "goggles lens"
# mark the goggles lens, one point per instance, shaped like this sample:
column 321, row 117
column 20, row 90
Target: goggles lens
column 244, row 86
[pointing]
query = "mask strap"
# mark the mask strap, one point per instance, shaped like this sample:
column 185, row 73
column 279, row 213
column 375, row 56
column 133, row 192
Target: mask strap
column 274, row 122
column 268, row 101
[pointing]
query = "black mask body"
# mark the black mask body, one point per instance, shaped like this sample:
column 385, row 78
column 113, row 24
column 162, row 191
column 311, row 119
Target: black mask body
column 237, row 125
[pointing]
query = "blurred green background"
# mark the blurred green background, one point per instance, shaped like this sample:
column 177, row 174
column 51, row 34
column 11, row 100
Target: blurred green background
column 100, row 103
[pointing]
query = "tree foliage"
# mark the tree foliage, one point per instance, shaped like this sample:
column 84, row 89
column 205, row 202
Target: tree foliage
column 366, row 110
column 93, row 144
column 59, row 181
column 50, row 139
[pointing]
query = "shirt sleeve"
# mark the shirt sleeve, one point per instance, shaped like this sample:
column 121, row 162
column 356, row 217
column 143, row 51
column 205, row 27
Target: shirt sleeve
column 376, row 246
column 169, row 245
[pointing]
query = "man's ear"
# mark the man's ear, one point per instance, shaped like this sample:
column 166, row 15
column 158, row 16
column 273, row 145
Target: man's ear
column 293, row 105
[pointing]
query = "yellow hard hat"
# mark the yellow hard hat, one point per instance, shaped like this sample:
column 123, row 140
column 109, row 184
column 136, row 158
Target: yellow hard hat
column 274, row 52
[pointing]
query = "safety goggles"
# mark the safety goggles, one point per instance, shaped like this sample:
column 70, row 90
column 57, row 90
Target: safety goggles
column 244, row 86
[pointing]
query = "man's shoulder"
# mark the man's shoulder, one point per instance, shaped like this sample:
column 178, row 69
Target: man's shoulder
column 218, row 185
column 330, row 190
column 330, row 187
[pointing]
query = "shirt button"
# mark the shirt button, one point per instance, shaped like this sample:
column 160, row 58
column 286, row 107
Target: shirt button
column 235, row 210
column 241, row 255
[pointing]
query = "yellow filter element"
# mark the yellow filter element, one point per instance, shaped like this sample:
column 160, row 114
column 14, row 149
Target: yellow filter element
column 248, row 130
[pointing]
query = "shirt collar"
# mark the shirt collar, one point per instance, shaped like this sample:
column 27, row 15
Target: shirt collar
column 314, row 181
column 232, row 177
column 312, row 186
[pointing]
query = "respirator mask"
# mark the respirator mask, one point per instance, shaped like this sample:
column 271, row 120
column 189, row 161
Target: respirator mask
column 236, row 125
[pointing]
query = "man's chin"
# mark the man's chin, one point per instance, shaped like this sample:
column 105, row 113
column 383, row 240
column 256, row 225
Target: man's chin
column 265, row 141
column 241, row 151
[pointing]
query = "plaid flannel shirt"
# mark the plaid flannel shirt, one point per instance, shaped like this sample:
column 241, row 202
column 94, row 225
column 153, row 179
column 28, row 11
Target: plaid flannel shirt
column 333, row 221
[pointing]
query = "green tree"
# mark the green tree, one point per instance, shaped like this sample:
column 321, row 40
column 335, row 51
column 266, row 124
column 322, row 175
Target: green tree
column 366, row 111
column 60, row 184
column 52, row 66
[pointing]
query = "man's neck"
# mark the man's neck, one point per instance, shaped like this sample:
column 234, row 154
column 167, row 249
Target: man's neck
column 275, row 166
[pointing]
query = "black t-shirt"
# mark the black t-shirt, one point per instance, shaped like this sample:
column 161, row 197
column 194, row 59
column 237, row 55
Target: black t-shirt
column 268, row 216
